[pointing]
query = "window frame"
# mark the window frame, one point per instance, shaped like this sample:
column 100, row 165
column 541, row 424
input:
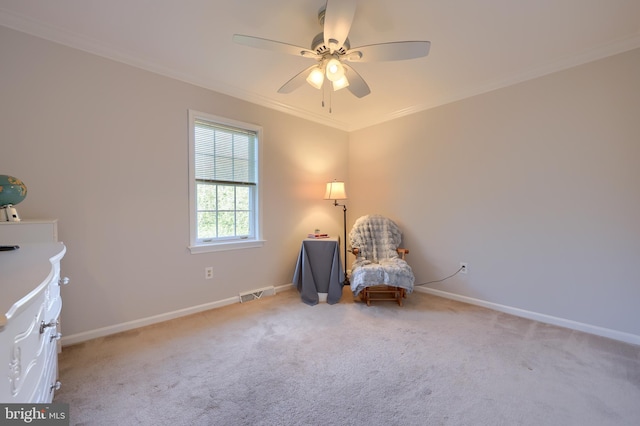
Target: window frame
column 223, row 243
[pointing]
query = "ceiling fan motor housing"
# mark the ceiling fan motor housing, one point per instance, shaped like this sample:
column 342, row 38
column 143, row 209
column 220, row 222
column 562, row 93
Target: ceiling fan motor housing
column 318, row 46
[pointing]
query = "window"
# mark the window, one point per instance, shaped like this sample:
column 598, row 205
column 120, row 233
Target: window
column 223, row 183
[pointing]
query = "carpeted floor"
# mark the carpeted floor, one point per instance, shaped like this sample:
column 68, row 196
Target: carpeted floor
column 277, row 361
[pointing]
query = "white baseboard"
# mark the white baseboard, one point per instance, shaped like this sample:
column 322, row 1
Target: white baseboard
column 548, row 319
column 130, row 325
column 561, row 322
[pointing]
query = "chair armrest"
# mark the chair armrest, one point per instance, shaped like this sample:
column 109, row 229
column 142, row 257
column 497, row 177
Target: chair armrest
column 402, row 252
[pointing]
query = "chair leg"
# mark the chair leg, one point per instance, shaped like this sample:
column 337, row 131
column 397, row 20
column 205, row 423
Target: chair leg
column 392, row 293
column 365, row 296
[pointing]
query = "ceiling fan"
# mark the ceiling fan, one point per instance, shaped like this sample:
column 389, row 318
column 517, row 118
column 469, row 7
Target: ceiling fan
column 331, row 50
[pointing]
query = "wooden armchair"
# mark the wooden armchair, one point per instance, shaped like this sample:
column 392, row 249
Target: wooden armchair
column 380, row 271
column 383, row 292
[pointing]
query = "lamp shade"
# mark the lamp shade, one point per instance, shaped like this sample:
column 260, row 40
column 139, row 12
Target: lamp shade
column 335, row 191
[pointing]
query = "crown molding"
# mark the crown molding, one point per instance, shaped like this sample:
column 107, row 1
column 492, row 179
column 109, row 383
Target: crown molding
column 70, row 39
column 88, row 45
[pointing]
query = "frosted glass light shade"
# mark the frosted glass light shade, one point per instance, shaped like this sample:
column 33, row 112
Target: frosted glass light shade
column 340, row 84
column 316, row 78
column 334, row 70
column 335, row 191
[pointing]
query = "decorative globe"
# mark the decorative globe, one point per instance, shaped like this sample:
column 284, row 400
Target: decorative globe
column 12, row 190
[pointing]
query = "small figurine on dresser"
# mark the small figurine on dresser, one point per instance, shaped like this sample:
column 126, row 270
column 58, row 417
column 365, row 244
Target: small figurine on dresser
column 12, row 192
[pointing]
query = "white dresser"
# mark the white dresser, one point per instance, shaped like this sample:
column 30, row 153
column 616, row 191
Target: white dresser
column 30, row 306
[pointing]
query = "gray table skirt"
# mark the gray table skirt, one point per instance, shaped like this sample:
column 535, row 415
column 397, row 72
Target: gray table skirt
column 319, row 270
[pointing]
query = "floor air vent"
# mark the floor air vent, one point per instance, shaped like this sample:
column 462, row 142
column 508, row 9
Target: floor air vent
column 257, row 294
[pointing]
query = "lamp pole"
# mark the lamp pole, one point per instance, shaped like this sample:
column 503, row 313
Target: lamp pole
column 335, row 192
column 344, row 213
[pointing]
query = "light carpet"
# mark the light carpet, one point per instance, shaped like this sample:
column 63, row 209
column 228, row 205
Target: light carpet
column 278, row 361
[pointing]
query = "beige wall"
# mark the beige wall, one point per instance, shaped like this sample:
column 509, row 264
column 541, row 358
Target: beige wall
column 536, row 186
column 102, row 146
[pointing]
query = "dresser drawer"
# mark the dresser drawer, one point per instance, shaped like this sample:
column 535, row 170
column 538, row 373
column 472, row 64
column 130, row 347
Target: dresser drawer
column 52, row 295
column 49, row 380
column 27, row 349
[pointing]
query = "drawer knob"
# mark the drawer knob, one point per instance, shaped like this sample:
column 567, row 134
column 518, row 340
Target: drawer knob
column 56, row 336
column 63, row 281
column 56, row 386
column 43, row 325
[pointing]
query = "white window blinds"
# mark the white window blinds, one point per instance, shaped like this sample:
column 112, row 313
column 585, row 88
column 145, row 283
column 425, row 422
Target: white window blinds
column 224, row 154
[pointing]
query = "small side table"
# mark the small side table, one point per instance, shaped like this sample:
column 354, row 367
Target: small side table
column 319, row 270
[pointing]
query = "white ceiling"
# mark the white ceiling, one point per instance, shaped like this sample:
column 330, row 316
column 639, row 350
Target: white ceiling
column 477, row 46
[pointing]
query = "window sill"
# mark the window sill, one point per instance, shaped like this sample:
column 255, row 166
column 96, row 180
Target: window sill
column 235, row 245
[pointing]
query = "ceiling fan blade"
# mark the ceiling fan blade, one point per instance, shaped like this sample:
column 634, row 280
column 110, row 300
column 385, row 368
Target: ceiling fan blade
column 297, row 81
column 394, row 51
column 357, row 85
column 338, row 17
column 276, row 46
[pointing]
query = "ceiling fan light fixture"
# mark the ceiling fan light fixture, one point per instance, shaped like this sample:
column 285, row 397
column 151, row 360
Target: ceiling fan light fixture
column 334, row 70
column 340, row 84
column 332, row 52
column 316, row 78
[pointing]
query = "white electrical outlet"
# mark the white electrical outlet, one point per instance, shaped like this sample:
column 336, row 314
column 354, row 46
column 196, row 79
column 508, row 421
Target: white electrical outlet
column 208, row 272
column 464, row 267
